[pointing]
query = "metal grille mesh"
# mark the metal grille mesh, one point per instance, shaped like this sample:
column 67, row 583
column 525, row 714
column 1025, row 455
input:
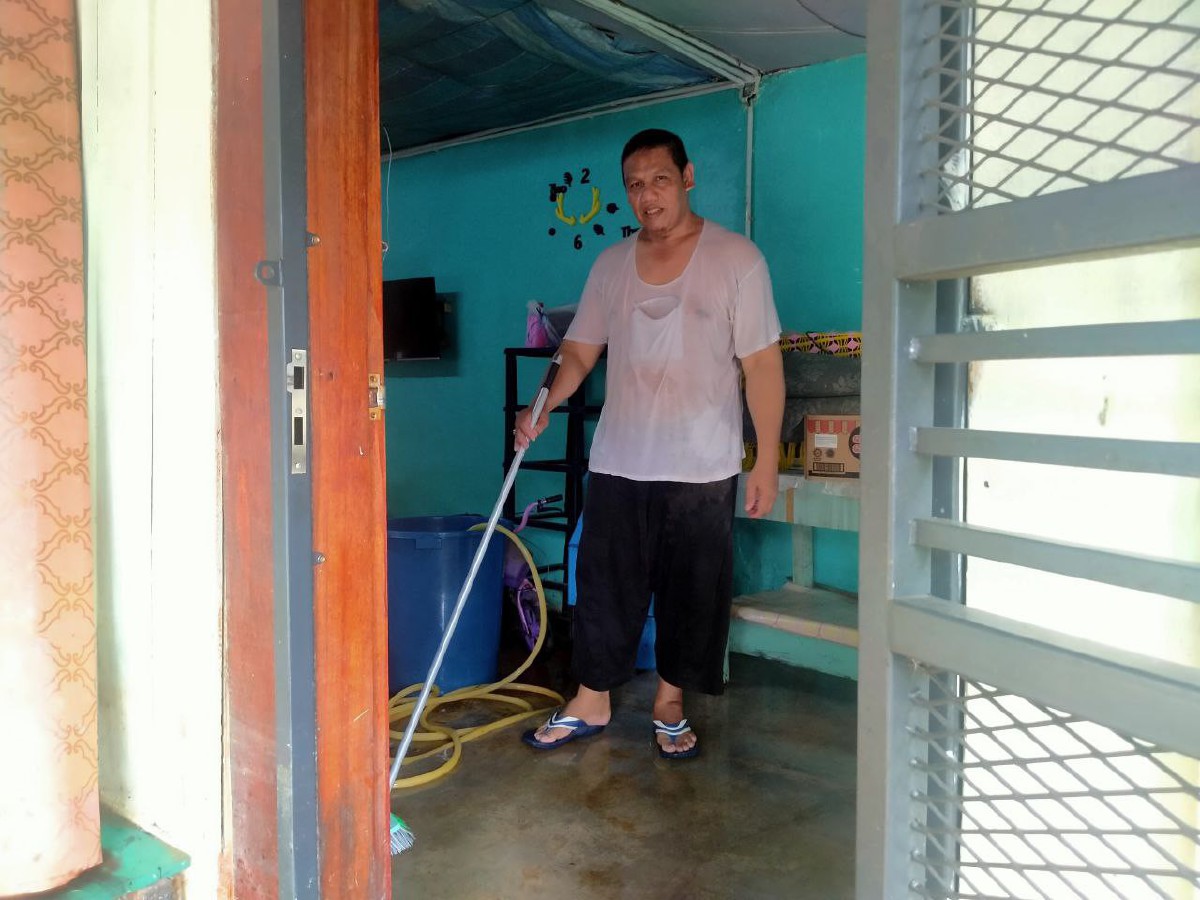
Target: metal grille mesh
column 1017, row 800
column 1039, row 96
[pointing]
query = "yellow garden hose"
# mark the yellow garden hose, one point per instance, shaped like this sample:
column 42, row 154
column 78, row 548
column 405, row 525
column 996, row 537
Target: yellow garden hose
column 402, row 704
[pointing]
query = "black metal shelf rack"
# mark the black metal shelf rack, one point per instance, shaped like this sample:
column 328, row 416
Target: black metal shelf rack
column 572, row 465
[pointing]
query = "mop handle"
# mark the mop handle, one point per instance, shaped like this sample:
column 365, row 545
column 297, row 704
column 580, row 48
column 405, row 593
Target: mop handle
column 423, row 699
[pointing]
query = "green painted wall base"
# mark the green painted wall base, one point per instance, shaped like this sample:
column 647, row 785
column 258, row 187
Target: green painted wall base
column 133, row 861
column 753, row 639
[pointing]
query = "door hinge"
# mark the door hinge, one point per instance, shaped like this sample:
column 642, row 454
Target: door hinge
column 376, row 396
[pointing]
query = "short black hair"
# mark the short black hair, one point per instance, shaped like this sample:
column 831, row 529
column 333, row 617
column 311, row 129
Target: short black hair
column 656, row 137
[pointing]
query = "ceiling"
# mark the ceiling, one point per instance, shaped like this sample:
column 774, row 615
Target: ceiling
column 455, row 68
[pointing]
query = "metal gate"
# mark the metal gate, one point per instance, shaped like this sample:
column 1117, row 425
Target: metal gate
column 1022, row 745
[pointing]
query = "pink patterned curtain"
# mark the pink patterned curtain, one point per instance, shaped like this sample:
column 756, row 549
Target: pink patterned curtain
column 49, row 793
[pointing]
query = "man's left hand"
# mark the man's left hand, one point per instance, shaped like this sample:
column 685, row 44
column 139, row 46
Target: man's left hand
column 762, row 485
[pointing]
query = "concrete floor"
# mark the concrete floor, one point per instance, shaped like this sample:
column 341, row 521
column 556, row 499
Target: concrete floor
column 766, row 811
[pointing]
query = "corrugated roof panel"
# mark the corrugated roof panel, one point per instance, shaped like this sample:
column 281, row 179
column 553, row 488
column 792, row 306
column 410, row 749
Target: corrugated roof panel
column 455, row 67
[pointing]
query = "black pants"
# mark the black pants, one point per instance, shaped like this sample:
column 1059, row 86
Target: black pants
column 669, row 539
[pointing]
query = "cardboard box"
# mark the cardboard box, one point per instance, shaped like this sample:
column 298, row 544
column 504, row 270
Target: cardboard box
column 831, row 446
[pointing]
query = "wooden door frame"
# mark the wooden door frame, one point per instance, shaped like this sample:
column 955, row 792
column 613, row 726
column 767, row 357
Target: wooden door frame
column 346, row 450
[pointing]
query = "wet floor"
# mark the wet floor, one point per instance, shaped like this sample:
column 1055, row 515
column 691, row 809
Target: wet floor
column 766, row 810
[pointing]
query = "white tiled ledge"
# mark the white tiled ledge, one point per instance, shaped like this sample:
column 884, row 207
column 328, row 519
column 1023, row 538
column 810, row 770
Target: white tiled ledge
column 809, row 612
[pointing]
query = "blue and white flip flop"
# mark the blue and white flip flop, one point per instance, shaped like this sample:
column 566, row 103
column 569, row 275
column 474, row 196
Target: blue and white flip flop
column 673, row 733
column 579, row 729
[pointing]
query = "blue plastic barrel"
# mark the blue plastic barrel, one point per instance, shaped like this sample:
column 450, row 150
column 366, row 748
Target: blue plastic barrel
column 428, row 561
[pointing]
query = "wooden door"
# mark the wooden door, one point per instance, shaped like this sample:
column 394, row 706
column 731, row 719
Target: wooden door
column 348, row 472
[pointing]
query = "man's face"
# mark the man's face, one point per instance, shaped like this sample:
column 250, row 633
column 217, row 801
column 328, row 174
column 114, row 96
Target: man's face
column 656, row 189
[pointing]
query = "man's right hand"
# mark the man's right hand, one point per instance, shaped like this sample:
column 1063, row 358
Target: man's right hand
column 576, row 360
column 527, row 431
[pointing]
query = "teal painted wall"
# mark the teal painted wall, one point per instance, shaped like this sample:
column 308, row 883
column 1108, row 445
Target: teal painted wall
column 477, row 218
column 809, row 146
column 809, row 151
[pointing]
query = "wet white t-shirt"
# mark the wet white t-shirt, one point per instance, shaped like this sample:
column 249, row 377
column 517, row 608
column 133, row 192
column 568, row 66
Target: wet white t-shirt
column 673, row 406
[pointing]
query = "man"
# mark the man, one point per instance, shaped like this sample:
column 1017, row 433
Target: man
column 681, row 305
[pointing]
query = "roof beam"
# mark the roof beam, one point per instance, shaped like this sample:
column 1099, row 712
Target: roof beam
column 678, row 41
column 590, row 113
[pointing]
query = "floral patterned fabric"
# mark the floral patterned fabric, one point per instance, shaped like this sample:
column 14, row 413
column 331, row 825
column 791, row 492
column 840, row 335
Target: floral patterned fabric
column 50, row 813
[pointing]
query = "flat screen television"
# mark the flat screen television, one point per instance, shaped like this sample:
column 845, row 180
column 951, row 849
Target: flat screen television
column 413, row 320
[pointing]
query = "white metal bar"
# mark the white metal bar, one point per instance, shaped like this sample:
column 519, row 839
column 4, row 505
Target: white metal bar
column 686, row 45
column 1066, row 342
column 1128, row 692
column 414, row 719
column 1093, row 830
column 749, row 208
column 1098, row 61
column 1157, row 575
column 1045, row 90
column 1146, row 874
column 1048, row 793
column 1156, row 211
column 1029, row 758
column 1024, row 164
column 895, row 396
column 1156, row 457
column 1069, row 14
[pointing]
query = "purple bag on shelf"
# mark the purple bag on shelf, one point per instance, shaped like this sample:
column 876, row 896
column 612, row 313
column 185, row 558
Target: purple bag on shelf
column 535, row 326
column 547, row 327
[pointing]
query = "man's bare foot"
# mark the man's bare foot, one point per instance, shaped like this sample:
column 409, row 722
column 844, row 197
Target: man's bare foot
column 668, row 709
column 593, row 707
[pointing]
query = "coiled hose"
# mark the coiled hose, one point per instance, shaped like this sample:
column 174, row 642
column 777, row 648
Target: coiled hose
column 402, row 704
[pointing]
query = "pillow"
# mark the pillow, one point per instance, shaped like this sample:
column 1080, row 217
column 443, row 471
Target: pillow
column 821, row 375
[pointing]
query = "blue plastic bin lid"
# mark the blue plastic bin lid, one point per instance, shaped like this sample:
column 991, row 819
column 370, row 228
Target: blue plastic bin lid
column 431, row 531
